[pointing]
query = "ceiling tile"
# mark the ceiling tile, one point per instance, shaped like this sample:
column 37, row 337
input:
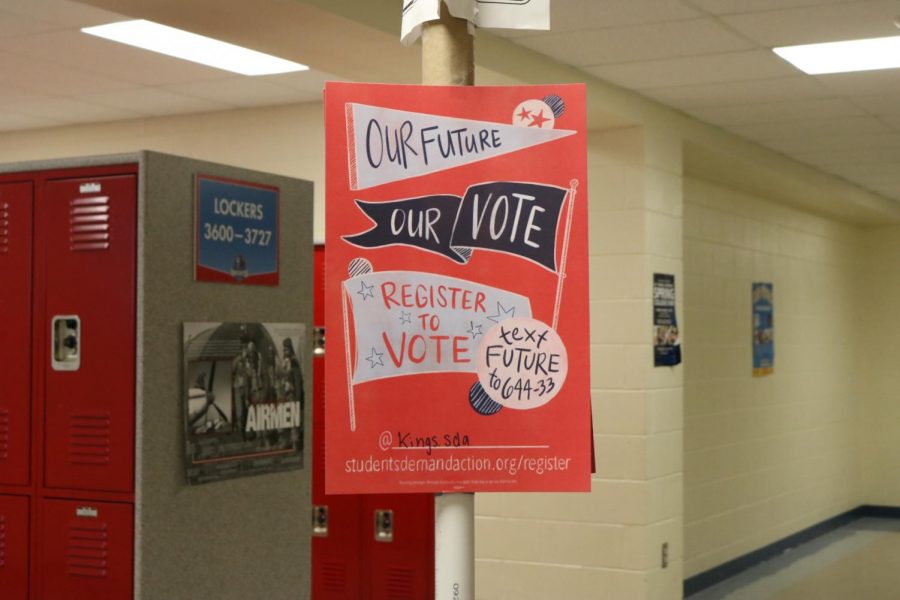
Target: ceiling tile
column 829, row 23
column 151, row 101
column 778, row 111
column 730, row 93
column 797, row 145
column 866, row 83
column 732, row 66
column 68, row 110
column 879, row 105
column 639, row 43
column 818, row 129
column 830, row 156
column 725, row 7
column 241, row 91
column 126, row 63
column 575, row 15
column 13, row 25
column 70, row 14
column 869, row 172
column 310, row 81
column 40, row 76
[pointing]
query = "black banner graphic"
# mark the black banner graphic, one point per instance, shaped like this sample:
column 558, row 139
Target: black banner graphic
column 511, row 217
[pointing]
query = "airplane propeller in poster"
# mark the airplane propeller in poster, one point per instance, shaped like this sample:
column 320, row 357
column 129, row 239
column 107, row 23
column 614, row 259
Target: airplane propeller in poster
column 456, row 281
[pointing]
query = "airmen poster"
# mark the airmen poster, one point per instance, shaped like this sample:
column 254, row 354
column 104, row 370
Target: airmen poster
column 456, row 285
column 763, row 330
column 243, row 399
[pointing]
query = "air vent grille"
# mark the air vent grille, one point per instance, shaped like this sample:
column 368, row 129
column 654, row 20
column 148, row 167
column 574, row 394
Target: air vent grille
column 400, row 584
column 4, row 436
column 4, row 227
column 334, row 577
column 89, row 226
column 88, row 552
column 89, row 438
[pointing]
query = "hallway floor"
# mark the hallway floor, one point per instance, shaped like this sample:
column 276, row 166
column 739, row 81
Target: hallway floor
column 860, row 560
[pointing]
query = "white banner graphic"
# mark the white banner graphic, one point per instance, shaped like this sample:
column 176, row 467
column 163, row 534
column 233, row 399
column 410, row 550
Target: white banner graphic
column 504, row 14
column 408, row 322
column 390, row 145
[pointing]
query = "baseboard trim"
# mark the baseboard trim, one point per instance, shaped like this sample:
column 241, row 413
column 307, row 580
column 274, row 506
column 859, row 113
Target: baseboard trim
column 706, row 579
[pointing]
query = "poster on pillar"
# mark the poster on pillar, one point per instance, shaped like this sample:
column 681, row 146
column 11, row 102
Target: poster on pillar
column 763, row 329
column 456, row 285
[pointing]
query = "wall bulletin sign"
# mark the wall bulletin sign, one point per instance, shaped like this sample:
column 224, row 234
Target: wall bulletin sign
column 236, row 239
column 666, row 337
column 763, row 330
column 243, row 399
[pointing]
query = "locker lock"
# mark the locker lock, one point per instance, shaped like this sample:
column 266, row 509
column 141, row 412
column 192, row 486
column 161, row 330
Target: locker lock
column 66, row 343
column 384, row 526
column 320, row 520
column 319, row 341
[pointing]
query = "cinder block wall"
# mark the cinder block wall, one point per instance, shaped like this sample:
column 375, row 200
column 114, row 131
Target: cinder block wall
column 879, row 368
column 767, row 457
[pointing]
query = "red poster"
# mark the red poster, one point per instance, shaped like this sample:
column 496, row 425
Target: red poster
column 456, row 285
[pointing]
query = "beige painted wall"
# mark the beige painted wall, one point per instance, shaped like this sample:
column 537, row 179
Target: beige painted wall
column 766, row 457
column 286, row 140
column 880, row 367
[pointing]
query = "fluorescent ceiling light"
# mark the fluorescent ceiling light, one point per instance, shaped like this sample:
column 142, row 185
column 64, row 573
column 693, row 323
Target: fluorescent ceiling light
column 841, row 57
column 190, row 46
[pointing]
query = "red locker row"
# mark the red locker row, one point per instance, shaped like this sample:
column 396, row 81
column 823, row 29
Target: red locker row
column 78, row 549
column 378, row 547
column 67, row 263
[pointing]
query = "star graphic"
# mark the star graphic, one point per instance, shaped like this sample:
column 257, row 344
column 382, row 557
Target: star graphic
column 375, row 358
column 538, row 120
column 524, row 115
column 503, row 313
column 366, row 290
column 405, row 317
column 474, row 330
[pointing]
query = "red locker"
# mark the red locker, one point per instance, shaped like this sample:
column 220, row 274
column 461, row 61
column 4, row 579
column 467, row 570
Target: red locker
column 374, row 547
column 16, row 205
column 88, row 234
column 86, row 550
column 14, row 524
column 399, row 550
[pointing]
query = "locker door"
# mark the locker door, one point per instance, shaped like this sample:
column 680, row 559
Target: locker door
column 15, row 351
column 86, row 550
column 88, row 232
column 14, row 523
column 336, row 550
column 399, row 546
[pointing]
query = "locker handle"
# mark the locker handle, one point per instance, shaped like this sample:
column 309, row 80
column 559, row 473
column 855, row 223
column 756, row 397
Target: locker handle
column 66, row 347
column 320, row 520
column 384, row 526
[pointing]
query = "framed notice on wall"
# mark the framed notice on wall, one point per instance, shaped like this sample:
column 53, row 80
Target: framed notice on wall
column 236, row 232
column 456, row 288
column 243, row 399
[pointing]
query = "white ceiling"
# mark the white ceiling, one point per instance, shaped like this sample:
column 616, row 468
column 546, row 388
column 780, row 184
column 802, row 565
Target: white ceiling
column 709, row 58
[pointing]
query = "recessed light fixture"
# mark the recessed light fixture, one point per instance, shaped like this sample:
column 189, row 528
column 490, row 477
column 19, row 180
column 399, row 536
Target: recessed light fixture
column 842, row 57
column 190, row 46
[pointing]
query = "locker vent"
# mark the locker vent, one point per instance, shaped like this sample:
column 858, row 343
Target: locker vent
column 4, row 438
column 89, row 223
column 88, row 550
column 4, row 227
column 334, row 577
column 2, row 541
column 89, row 438
column 400, row 584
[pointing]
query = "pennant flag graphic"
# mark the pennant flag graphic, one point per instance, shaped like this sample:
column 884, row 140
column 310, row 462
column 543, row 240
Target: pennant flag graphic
column 387, row 145
column 409, row 322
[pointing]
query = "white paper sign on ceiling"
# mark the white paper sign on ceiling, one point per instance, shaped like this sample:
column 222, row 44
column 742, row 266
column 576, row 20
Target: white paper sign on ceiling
column 502, row 14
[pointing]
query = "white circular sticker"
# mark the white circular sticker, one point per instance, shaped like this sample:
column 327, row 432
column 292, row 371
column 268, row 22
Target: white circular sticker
column 522, row 363
column 534, row 113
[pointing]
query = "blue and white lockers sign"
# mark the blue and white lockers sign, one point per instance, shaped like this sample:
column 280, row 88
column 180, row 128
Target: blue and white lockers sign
column 237, row 232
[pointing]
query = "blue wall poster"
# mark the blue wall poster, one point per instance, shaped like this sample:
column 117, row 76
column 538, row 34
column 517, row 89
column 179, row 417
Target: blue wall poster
column 763, row 330
column 666, row 337
column 237, row 232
